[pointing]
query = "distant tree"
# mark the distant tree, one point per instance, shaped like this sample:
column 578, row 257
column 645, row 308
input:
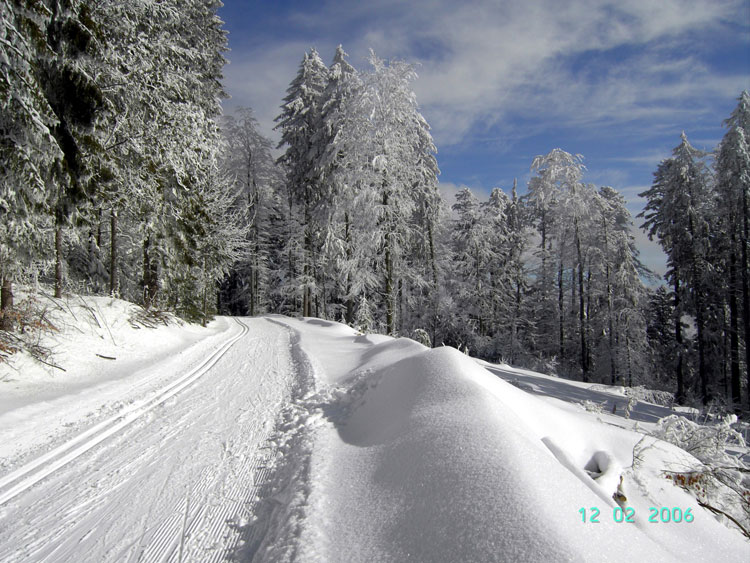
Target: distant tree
column 517, row 240
column 660, row 315
column 620, row 271
column 259, row 182
column 300, row 124
column 678, row 213
column 733, row 190
column 562, row 203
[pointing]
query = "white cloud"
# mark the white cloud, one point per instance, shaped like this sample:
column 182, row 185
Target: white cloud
column 505, row 69
column 260, row 82
column 651, row 253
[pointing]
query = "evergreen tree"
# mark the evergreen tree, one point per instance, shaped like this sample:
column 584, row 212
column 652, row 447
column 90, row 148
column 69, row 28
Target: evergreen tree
column 75, row 98
column 678, row 213
column 622, row 290
column 733, row 190
column 340, row 183
column 300, row 124
column 27, row 147
column 247, row 290
column 472, row 256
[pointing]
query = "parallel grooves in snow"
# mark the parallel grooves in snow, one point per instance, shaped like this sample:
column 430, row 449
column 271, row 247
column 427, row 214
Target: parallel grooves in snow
column 26, row 476
column 205, row 538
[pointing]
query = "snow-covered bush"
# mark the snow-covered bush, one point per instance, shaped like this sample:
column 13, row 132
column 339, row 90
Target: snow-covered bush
column 707, row 443
column 421, row 336
column 630, row 405
column 722, row 484
column 641, row 393
column 592, row 406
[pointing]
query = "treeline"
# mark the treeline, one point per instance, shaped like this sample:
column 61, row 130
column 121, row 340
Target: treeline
column 120, row 176
column 698, row 211
column 349, row 225
column 110, row 151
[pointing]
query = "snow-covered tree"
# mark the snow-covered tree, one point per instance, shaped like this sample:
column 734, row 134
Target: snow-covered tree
column 562, row 204
column 300, row 124
column 678, row 213
column 340, row 163
column 259, row 181
column 621, row 289
column 472, row 256
column 733, row 191
column 401, row 168
column 520, row 324
column 75, row 99
column 27, row 147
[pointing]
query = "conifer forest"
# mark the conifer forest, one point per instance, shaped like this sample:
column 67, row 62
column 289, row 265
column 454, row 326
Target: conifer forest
column 120, row 175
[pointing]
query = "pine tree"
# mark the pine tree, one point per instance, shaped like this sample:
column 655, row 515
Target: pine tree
column 733, row 190
column 341, row 185
column 678, row 214
column 27, row 147
column 248, row 158
column 300, row 125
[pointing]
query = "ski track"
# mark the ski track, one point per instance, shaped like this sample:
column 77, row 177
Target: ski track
column 174, row 479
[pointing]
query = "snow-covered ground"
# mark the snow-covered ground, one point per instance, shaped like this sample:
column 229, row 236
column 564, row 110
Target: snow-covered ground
column 275, row 439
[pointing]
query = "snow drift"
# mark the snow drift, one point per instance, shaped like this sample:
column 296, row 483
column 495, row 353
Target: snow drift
column 423, row 455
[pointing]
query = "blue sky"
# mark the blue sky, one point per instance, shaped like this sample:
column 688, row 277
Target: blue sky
column 503, row 81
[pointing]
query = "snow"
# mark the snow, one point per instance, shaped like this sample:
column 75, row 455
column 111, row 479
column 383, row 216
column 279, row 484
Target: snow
column 427, row 456
column 190, row 412
column 307, row 441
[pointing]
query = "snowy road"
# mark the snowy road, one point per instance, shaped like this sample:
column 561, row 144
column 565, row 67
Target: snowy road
column 172, row 476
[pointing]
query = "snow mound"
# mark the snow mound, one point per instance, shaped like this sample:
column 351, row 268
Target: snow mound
column 423, row 455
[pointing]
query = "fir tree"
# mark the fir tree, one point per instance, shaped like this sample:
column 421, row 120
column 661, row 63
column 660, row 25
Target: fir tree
column 678, row 214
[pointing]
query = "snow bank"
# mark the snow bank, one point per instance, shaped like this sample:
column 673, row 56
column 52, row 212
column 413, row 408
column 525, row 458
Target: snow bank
column 109, row 354
column 423, row 455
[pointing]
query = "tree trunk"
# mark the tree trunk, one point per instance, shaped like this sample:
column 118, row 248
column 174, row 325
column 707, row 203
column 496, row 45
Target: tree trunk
column 701, row 334
column 561, row 308
column 204, row 304
column 734, row 340
column 630, row 359
column 99, row 228
column 678, row 342
column 611, row 327
column 254, row 273
column 6, row 303
column 388, row 255
column 514, row 324
column 348, row 287
column 113, row 286
column 400, row 316
column 581, row 311
column 435, row 292
column 610, row 309
column 150, row 275
column 307, row 268
column 745, row 269
column 58, row 260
